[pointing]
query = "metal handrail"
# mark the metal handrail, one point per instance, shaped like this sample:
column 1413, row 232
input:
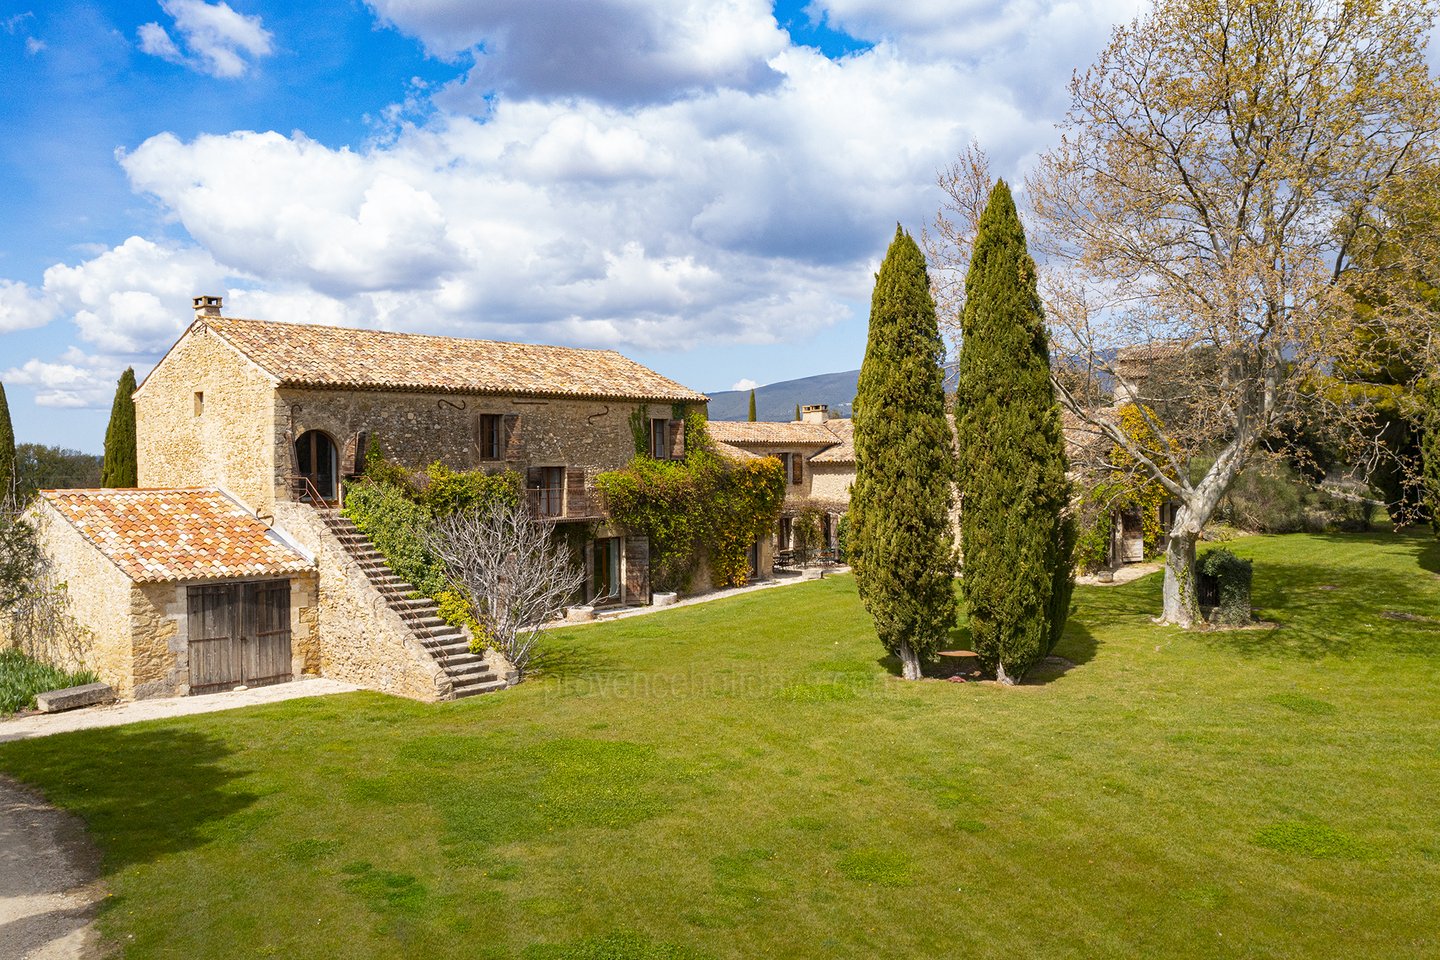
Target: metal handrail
column 306, row 488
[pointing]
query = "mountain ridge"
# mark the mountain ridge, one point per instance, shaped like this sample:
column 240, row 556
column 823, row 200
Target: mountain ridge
column 775, row 402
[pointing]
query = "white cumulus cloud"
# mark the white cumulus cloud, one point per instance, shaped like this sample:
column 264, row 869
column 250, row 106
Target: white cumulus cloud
column 745, row 384
column 133, row 299
column 22, row 308
column 217, row 39
column 720, row 186
column 613, row 50
column 64, row 385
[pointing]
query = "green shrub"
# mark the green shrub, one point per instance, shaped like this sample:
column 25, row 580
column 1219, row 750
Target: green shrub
column 1233, row 577
column 22, row 677
column 393, row 506
column 455, row 610
column 1269, row 497
column 381, row 469
column 446, row 491
column 703, row 505
column 394, row 522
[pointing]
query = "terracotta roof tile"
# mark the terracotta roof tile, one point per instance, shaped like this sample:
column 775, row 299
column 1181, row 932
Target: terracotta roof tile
column 844, row 449
column 309, row 355
column 742, row 432
column 156, row 536
column 733, row 452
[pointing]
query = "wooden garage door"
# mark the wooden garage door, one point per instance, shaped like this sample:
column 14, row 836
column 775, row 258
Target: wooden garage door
column 239, row 634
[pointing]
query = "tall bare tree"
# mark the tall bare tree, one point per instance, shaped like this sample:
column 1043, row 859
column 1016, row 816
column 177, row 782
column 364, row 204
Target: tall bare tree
column 512, row 569
column 1216, row 165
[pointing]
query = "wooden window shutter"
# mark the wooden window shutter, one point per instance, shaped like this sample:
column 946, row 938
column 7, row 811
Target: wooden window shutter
column 637, row 570
column 797, row 467
column 355, row 450
column 513, row 443
column 677, row 439
column 577, row 500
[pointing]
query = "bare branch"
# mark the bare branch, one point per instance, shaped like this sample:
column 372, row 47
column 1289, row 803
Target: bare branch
column 512, row 570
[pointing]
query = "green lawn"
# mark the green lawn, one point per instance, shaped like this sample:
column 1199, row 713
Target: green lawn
column 744, row 779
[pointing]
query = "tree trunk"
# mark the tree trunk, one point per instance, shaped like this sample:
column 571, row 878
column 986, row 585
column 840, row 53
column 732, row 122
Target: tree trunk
column 1002, row 677
column 1181, row 606
column 909, row 662
column 1181, row 603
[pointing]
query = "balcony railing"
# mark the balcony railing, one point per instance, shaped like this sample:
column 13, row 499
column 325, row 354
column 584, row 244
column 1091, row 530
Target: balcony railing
column 548, row 502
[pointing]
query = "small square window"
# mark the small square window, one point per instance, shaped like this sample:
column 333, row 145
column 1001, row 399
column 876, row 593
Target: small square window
column 199, row 402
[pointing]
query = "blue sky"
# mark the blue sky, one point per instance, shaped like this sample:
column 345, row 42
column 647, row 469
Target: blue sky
column 706, row 185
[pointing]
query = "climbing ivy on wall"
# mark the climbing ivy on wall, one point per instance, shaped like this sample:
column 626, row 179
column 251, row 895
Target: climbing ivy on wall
column 702, row 506
column 392, row 505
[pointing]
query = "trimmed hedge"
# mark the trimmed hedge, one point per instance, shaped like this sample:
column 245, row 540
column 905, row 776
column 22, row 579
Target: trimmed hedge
column 1233, row 577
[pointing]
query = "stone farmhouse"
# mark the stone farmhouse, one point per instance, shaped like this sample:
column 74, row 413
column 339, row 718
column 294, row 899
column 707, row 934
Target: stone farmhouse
column 232, row 563
column 818, row 452
column 819, row 456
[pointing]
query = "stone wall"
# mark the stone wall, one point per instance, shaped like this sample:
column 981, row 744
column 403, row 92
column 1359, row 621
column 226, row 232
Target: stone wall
column 830, row 483
column 225, row 440
column 160, row 662
column 417, row 429
column 359, row 638
column 88, row 626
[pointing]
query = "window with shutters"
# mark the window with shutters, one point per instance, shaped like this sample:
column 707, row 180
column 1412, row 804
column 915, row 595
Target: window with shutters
column 490, row 436
column 794, row 464
column 660, row 439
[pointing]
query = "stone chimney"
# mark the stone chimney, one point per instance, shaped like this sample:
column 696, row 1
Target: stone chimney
column 207, row 306
column 814, row 413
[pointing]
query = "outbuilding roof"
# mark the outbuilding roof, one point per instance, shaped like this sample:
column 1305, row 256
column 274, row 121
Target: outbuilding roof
column 155, row 536
column 740, row 432
column 844, row 449
column 310, row 355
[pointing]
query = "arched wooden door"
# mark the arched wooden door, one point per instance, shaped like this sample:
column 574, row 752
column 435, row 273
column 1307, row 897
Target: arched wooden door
column 318, row 462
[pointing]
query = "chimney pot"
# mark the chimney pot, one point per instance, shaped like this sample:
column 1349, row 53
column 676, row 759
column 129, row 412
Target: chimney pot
column 207, row 306
column 815, row 413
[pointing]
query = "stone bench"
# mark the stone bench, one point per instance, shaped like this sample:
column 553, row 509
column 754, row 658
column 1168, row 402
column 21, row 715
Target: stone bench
column 86, row 695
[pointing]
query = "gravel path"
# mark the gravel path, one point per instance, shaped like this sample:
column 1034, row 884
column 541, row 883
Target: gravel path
column 49, row 884
column 44, row 724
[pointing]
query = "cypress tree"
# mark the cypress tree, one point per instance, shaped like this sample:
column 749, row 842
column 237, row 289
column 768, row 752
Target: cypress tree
column 1015, row 533
column 7, row 450
column 900, row 541
column 752, row 405
column 120, row 468
column 797, row 413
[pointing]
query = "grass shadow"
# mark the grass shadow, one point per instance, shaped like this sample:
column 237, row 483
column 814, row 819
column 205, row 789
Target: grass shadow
column 565, row 658
column 144, row 792
column 1428, row 556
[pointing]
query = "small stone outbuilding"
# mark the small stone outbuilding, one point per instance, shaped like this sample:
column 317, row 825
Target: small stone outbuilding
column 170, row 592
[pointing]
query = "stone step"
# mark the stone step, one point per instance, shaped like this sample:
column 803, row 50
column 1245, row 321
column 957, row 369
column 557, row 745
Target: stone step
column 472, row 690
column 468, row 664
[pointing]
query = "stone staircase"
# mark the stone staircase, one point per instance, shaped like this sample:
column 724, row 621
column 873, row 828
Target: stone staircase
column 469, row 674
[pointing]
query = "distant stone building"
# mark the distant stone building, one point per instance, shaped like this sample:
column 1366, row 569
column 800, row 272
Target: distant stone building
column 818, row 453
column 251, row 428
